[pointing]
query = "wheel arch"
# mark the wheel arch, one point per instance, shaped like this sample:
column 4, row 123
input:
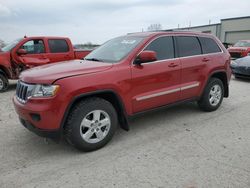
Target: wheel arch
column 4, row 71
column 222, row 75
column 108, row 95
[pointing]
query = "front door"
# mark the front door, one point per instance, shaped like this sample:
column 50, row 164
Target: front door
column 156, row 83
column 36, row 53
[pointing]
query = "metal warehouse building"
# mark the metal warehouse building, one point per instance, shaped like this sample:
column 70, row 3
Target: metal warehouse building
column 228, row 31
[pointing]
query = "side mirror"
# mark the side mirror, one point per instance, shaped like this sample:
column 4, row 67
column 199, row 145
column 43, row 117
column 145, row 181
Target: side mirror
column 21, row 51
column 145, row 57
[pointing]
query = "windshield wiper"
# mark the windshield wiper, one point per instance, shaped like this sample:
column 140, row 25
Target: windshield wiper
column 93, row 59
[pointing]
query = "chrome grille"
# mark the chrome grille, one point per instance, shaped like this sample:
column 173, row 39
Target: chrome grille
column 23, row 91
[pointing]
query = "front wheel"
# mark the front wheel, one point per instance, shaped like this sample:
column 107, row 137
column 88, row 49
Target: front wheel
column 4, row 83
column 212, row 96
column 91, row 124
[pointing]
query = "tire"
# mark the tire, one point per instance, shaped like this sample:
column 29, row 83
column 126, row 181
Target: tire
column 83, row 122
column 4, row 83
column 212, row 96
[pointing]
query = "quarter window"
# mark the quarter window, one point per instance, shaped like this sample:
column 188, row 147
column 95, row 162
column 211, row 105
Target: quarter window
column 188, row 46
column 34, row 47
column 58, row 46
column 209, row 45
column 163, row 47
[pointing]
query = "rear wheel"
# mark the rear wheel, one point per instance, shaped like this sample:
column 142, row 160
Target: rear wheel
column 212, row 96
column 4, row 83
column 91, row 124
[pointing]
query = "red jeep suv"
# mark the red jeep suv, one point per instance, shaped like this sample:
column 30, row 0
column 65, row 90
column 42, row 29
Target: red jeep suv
column 84, row 100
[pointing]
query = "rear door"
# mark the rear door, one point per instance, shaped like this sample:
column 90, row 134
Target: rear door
column 193, row 65
column 156, row 83
column 36, row 53
column 59, row 50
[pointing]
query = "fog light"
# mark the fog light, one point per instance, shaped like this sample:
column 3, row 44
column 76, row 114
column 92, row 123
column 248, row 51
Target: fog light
column 35, row 117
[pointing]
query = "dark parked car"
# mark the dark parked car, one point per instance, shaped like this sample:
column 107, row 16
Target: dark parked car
column 241, row 67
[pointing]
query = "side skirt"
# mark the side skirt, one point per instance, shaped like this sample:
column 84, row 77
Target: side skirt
column 162, row 107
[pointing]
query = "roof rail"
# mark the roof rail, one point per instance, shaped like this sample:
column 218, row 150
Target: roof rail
column 168, row 30
column 180, row 30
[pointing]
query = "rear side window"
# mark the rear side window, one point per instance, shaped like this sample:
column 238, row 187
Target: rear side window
column 209, row 45
column 163, row 47
column 188, row 46
column 58, row 46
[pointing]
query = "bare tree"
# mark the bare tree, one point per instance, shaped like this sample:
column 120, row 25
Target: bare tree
column 2, row 43
column 155, row 27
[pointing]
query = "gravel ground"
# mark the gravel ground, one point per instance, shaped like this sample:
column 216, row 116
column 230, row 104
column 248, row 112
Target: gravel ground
column 176, row 147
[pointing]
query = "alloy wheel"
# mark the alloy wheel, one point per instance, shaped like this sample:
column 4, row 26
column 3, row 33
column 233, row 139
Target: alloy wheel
column 95, row 126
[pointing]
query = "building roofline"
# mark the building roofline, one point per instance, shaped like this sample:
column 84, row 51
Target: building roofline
column 243, row 17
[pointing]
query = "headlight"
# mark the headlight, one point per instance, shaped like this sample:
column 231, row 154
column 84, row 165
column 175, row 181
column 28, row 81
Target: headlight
column 44, row 90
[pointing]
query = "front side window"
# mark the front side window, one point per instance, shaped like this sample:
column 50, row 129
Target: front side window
column 209, row 45
column 188, row 46
column 114, row 50
column 58, row 46
column 163, row 46
column 34, row 47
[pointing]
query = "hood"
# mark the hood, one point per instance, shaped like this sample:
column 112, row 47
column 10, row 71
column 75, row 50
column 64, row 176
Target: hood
column 238, row 49
column 47, row 74
column 244, row 62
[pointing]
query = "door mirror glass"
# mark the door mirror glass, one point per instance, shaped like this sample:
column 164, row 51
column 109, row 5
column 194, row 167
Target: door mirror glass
column 145, row 57
column 21, row 52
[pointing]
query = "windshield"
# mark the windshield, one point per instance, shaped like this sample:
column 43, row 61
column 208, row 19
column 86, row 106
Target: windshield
column 242, row 44
column 115, row 49
column 11, row 45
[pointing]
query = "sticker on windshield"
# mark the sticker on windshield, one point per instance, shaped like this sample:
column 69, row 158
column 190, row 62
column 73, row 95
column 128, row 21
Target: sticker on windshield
column 128, row 41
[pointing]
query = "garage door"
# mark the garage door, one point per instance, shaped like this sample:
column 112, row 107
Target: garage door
column 233, row 37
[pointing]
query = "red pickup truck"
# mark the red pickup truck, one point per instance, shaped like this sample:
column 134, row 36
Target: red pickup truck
column 29, row 52
column 85, row 100
column 240, row 49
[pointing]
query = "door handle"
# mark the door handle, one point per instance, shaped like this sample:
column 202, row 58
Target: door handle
column 205, row 60
column 172, row 65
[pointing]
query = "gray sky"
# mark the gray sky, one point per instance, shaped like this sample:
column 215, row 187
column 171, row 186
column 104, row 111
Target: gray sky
column 99, row 20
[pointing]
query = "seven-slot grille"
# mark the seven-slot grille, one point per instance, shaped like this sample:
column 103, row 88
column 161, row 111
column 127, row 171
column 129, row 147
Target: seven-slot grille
column 23, row 91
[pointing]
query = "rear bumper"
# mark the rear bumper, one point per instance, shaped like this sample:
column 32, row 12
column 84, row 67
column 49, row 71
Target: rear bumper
column 241, row 72
column 55, row 134
column 242, row 76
